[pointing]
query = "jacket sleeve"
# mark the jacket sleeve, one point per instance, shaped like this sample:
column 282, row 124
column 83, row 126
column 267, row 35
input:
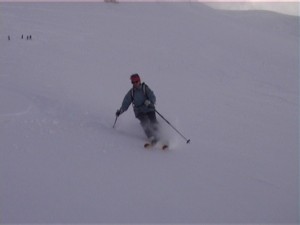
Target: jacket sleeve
column 126, row 101
column 150, row 95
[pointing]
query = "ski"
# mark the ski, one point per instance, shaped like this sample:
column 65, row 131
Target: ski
column 148, row 145
column 164, row 147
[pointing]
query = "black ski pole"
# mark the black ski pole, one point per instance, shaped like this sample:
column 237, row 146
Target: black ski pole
column 187, row 140
column 115, row 122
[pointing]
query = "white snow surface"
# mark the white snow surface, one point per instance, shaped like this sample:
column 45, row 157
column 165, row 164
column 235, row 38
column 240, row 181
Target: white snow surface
column 284, row 7
column 227, row 80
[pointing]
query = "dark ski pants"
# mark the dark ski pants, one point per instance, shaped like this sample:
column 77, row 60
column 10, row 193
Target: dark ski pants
column 149, row 124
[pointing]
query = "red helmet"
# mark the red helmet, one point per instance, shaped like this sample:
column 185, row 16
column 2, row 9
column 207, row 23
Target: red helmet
column 135, row 77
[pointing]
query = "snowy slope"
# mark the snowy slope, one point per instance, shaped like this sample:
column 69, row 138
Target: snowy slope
column 284, row 7
column 226, row 80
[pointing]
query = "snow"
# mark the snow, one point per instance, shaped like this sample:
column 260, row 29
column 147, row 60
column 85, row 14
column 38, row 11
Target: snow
column 284, row 7
column 227, row 80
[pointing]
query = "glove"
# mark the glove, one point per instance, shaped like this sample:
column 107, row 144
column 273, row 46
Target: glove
column 148, row 103
column 119, row 112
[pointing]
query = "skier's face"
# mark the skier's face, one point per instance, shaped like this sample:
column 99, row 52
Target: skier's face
column 136, row 83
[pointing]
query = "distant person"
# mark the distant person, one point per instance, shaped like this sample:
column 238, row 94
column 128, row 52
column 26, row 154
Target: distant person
column 143, row 101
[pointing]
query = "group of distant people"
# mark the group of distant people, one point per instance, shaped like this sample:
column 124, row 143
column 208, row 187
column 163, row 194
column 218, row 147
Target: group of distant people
column 27, row 37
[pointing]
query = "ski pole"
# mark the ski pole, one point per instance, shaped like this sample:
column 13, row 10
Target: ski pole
column 187, row 140
column 115, row 122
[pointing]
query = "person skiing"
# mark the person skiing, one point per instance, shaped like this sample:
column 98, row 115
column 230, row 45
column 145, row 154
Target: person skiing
column 143, row 100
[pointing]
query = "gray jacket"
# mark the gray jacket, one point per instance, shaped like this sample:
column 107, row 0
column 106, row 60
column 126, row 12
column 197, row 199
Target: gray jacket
column 138, row 96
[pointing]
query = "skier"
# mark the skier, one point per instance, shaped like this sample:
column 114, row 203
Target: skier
column 143, row 100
